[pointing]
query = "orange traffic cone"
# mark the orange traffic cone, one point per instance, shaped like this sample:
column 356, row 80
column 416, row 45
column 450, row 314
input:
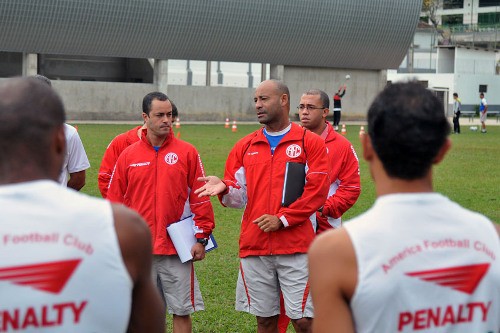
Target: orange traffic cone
column 177, row 123
column 361, row 131
column 226, row 124
column 344, row 130
column 178, row 134
column 76, row 127
column 234, row 128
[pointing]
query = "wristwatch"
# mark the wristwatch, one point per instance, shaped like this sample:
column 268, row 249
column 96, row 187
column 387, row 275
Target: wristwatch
column 202, row 241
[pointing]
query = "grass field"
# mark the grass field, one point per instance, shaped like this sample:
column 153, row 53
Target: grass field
column 470, row 175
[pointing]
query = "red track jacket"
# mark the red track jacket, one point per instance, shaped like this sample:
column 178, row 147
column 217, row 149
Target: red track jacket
column 115, row 148
column 160, row 186
column 345, row 184
column 255, row 181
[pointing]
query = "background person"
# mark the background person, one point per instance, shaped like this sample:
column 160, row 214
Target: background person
column 483, row 111
column 76, row 161
column 274, row 239
column 337, row 106
column 345, row 186
column 85, row 266
column 115, row 148
column 157, row 176
column 457, row 107
column 413, row 242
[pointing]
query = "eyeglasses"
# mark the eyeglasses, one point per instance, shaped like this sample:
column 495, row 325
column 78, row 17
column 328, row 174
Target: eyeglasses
column 308, row 107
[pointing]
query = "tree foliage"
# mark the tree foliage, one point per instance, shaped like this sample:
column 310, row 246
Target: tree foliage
column 430, row 7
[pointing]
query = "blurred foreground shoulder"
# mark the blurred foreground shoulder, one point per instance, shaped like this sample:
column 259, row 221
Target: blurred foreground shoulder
column 333, row 278
column 497, row 226
column 148, row 311
column 129, row 223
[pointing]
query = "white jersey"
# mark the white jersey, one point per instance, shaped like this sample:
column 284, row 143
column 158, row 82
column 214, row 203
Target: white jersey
column 425, row 264
column 76, row 159
column 61, row 268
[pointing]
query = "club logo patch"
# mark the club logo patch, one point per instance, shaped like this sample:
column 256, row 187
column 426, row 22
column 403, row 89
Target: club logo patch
column 461, row 278
column 171, row 158
column 49, row 276
column 293, row 151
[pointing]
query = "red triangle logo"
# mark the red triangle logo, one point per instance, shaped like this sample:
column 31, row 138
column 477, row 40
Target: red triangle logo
column 461, row 278
column 50, row 276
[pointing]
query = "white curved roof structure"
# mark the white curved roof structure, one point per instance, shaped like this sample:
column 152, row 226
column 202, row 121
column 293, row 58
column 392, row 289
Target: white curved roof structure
column 365, row 34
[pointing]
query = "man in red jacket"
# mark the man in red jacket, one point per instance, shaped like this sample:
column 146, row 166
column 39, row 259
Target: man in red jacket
column 157, row 176
column 345, row 186
column 274, row 238
column 115, row 148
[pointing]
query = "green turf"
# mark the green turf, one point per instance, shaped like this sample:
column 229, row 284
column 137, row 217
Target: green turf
column 469, row 175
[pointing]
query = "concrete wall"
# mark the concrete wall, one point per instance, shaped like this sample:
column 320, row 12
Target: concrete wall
column 123, row 101
column 470, row 61
column 445, row 61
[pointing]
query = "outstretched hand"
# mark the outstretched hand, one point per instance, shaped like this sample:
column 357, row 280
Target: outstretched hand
column 213, row 186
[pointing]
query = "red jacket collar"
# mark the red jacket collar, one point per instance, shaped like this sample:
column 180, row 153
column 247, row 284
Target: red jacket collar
column 145, row 139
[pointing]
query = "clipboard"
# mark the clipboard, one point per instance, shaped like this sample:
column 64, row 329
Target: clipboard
column 295, row 180
column 182, row 235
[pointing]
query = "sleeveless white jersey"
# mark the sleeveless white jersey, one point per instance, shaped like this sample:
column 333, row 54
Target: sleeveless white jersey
column 61, row 268
column 425, row 264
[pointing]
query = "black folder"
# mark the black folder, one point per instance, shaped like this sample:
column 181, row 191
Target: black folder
column 295, row 180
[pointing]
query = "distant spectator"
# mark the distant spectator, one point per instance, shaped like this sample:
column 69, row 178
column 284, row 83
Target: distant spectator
column 337, row 106
column 457, row 107
column 483, row 110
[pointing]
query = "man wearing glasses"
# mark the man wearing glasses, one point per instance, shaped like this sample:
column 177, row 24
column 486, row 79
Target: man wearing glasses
column 345, row 184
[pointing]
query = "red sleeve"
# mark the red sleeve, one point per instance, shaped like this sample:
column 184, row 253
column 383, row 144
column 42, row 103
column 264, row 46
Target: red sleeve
column 235, row 195
column 118, row 182
column 346, row 171
column 201, row 207
column 108, row 164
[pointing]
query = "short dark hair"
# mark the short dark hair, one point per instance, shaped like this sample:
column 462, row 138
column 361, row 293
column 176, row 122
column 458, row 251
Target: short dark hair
column 455, row 94
column 29, row 111
column 43, row 79
column 175, row 112
column 407, row 127
column 323, row 96
column 149, row 98
column 281, row 87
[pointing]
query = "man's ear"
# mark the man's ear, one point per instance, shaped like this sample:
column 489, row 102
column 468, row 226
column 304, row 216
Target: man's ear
column 326, row 111
column 366, row 143
column 60, row 141
column 284, row 99
column 442, row 152
column 57, row 152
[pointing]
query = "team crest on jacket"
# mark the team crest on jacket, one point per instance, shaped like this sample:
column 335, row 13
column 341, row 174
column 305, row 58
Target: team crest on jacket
column 171, row 158
column 293, row 151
